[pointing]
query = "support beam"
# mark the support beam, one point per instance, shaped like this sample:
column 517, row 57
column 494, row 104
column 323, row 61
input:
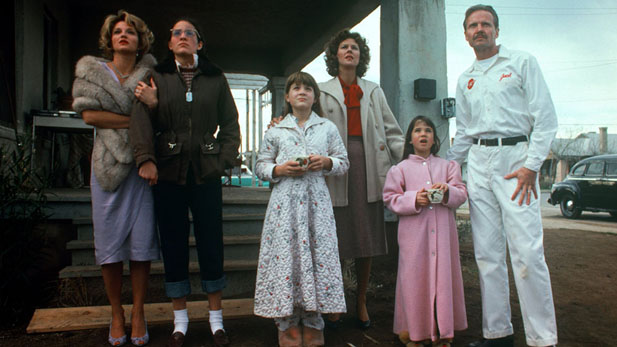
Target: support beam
column 413, row 45
column 277, row 88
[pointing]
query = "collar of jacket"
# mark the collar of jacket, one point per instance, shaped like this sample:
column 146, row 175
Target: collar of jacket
column 333, row 87
column 417, row 158
column 503, row 53
column 290, row 122
column 205, row 66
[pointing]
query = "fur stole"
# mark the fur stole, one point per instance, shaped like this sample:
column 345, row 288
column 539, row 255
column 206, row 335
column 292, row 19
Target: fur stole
column 96, row 89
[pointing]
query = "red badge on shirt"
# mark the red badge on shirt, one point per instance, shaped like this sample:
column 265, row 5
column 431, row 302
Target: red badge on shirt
column 470, row 83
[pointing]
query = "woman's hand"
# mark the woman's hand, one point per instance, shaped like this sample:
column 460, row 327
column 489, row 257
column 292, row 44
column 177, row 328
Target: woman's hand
column 147, row 93
column 444, row 189
column 290, row 168
column 319, row 162
column 274, row 121
column 149, row 172
column 422, row 198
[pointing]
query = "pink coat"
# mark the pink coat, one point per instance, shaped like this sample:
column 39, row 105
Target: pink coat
column 429, row 270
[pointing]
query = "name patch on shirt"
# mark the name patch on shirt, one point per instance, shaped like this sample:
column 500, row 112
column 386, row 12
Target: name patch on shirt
column 505, row 76
column 470, row 83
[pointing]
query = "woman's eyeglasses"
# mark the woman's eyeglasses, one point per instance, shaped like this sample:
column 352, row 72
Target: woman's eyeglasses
column 187, row 32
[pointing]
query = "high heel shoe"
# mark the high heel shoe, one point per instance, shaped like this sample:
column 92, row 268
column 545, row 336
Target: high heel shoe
column 141, row 340
column 115, row 341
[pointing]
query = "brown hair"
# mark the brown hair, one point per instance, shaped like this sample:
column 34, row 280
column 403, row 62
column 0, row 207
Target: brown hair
column 146, row 37
column 303, row 78
column 331, row 49
column 408, row 148
column 487, row 8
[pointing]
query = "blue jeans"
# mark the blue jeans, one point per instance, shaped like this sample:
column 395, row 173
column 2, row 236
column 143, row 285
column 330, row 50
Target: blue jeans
column 205, row 201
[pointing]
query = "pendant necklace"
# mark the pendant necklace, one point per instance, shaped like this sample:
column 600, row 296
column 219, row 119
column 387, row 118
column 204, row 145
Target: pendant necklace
column 118, row 72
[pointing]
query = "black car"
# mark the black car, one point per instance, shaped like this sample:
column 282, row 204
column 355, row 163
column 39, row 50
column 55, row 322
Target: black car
column 591, row 185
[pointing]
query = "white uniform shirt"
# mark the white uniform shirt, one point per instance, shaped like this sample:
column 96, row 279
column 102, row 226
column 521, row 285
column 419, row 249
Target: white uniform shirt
column 509, row 98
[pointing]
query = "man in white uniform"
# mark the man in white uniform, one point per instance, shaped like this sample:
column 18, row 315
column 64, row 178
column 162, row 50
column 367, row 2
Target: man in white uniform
column 505, row 122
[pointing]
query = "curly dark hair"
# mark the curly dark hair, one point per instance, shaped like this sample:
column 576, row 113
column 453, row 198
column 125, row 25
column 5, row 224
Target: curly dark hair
column 408, row 148
column 331, row 49
column 146, row 37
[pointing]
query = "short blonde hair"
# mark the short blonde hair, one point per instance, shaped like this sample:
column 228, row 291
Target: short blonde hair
column 146, row 37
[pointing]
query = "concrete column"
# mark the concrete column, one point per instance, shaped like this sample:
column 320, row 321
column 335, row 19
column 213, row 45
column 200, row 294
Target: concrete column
column 413, row 45
column 277, row 88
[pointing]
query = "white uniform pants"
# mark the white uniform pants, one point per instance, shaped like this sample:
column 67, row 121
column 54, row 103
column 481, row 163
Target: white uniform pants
column 496, row 222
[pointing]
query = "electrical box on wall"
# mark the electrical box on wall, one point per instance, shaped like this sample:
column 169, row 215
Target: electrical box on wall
column 424, row 89
column 448, row 107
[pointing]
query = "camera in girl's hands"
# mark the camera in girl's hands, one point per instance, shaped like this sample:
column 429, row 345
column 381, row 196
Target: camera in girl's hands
column 435, row 196
column 303, row 161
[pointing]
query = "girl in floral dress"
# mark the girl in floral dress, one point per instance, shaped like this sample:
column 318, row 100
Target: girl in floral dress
column 299, row 272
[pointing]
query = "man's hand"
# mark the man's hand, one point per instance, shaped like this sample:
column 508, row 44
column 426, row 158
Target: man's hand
column 319, row 162
column 422, row 198
column 526, row 184
column 149, row 172
column 290, row 168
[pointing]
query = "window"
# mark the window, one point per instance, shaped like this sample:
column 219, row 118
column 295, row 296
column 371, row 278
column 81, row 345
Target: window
column 595, row 168
column 578, row 171
column 611, row 169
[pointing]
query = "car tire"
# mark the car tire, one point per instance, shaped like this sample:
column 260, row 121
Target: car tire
column 568, row 206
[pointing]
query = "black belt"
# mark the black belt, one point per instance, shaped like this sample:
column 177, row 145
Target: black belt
column 502, row 141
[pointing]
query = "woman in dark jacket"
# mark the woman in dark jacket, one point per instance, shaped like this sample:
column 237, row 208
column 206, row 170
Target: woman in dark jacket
column 176, row 150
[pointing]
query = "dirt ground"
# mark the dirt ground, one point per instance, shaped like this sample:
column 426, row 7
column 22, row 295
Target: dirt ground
column 583, row 268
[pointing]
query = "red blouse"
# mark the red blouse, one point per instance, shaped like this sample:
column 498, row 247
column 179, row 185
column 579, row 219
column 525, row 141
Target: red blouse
column 353, row 93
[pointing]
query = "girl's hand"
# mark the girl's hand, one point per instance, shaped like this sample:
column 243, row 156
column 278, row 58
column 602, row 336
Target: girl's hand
column 444, row 189
column 319, row 162
column 290, row 168
column 147, row 93
column 422, row 198
column 149, row 172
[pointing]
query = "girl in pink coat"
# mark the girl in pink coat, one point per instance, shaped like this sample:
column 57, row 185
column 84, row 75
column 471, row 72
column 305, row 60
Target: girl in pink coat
column 423, row 190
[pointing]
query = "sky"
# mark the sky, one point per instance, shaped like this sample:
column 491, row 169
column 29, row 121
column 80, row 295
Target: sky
column 575, row 43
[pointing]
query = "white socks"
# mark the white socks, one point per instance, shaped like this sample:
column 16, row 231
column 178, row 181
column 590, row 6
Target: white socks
column 181, row 321
column 216, row 320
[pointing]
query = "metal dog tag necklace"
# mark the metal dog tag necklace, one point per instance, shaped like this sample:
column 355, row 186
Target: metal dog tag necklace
column 189, row 96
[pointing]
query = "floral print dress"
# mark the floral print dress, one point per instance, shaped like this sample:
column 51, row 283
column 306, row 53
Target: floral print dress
column 299, row 263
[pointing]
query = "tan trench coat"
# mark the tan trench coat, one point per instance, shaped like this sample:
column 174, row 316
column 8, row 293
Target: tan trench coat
column 381, row 134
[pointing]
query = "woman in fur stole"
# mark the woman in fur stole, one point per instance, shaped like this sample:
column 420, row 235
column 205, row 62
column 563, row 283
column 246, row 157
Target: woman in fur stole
column 122, row 204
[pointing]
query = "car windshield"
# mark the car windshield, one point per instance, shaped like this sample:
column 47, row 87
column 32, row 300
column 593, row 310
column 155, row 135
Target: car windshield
column 578, row 171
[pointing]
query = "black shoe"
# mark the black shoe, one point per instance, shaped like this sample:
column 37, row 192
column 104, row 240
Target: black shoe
column 333, row 324
column 506, row 341
column 364, row 324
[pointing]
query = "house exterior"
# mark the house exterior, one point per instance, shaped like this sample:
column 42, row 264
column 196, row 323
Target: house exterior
column 566, row 152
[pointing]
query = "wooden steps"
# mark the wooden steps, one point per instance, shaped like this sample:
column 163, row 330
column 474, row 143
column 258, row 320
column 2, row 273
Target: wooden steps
column 93, row 317
column 156, row 269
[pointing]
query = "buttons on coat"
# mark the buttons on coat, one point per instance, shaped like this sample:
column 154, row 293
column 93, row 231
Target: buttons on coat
column 382, row 147
column 428, row 182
